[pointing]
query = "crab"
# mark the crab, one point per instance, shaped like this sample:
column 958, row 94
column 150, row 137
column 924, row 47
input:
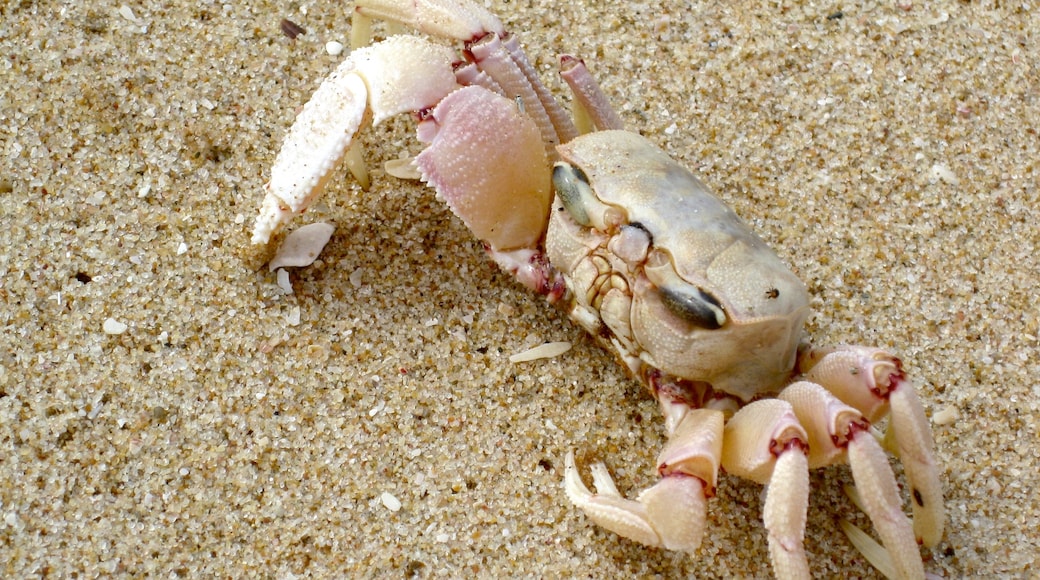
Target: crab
column 638, row 252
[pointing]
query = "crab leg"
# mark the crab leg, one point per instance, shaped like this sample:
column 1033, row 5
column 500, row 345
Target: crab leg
column 589, row 101
column 507, row 67
column 671, row 514
column 401, row 74
column 836, row 431
column 873, row 381
column 765, row 443
column 561, row 121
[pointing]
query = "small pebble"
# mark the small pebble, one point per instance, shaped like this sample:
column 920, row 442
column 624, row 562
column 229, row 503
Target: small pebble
column 283, row 281
column 128, row 13
column 293, row 318
column 392, row 503
column 946, row 416
column 944, row 174
column 355, row 277
column 334, row 48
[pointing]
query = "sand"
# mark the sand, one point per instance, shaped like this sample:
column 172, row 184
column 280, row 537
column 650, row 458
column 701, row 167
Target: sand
column 167, row 410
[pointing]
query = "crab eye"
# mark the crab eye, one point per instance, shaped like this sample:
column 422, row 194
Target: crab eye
column 696, row 307
column 572, row 185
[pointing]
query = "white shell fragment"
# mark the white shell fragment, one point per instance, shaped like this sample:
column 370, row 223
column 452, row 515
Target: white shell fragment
column 403, row 168
column 944, row 174
column 946, row 416
column 547, row 350
column 283, row 281
column 302, row 247
column 390, row 502
column 113, row 326
column 293, row 317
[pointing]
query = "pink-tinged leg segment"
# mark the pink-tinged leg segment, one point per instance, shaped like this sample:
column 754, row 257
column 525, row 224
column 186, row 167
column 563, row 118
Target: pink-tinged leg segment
column 765, row 443
column 914, row 440
column 492, row 56
column 561, row 121
column 487, row 160
column 591, row 101
column 784, row 515
column 880, row 495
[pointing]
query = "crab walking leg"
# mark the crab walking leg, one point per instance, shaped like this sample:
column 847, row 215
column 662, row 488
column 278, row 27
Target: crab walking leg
column 765, row 443
column 561, row 121
column 873, row 381
column 671, row 514
column 403, row 73
column 913, row 437
column 837, row 431
column 492, row 57
column 589, row 101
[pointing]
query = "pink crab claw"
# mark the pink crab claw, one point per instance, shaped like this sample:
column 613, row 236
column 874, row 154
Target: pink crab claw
column 873, row 381
column 504, row 200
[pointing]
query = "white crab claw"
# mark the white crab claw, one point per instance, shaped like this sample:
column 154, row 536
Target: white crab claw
column 671, row 514
column 403, row 73
column 503, row 199
column 872, row 381
column 765, row 443
column 837, row 430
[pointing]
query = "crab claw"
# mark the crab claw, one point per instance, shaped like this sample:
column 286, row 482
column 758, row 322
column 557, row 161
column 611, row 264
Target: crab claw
column 400, row 74
column 504, row 199
column 456, row 19
column 873, row 381
column 765, row 443
column 837, row 431
column 671, row 514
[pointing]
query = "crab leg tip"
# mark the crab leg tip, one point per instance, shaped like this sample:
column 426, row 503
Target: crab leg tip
column 784, row 515
column 880, row 496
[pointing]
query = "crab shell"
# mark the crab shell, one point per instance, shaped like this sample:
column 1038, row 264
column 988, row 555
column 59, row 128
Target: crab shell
column 690, row 289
